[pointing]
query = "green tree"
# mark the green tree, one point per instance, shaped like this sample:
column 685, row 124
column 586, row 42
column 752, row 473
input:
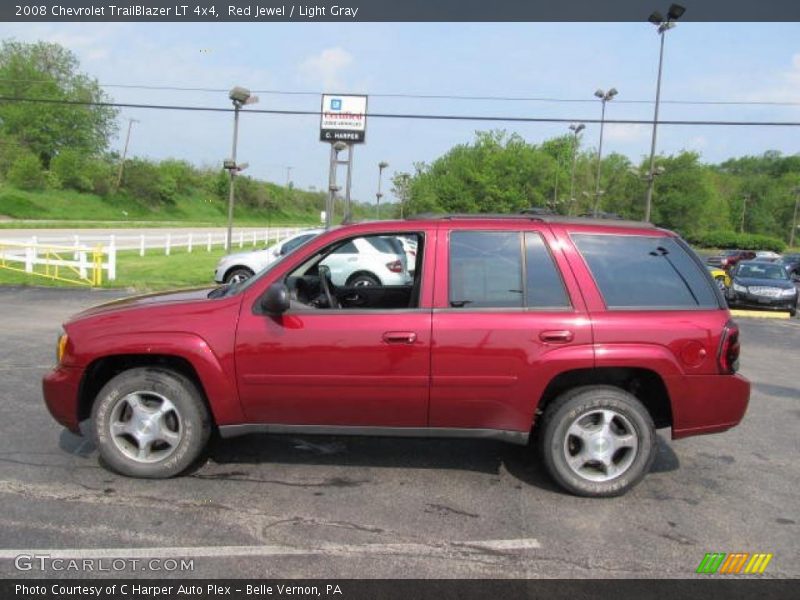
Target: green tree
column 50, row 72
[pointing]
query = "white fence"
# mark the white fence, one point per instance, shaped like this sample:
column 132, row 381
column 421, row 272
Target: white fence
column 93, row 254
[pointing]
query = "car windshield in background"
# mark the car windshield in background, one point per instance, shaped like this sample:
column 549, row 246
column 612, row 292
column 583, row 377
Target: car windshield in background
column 762, row 272
column 646, row 272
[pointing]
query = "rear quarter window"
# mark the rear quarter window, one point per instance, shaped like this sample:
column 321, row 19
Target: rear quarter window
column 646, row 272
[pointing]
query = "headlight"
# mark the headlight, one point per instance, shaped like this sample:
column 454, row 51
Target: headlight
column 789, row 292
column 61, row 346
column 739, row 288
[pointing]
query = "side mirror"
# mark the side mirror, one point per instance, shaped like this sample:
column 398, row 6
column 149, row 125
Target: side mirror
column 276, row 299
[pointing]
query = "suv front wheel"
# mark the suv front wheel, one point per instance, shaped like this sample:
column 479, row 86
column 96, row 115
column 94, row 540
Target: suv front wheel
column 597, row 441
column 150, row 422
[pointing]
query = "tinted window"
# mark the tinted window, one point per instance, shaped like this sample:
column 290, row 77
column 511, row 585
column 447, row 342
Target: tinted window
column 543, row 285
column 757, row 271
column 485, row 269
column 296, row 242
column 385, row 245
column 348, row 248
column 648, row 272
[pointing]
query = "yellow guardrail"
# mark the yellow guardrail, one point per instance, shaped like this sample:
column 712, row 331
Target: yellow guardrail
column 48, row 261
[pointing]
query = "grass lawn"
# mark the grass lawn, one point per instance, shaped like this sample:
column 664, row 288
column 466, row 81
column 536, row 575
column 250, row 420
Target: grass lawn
column 151, row 272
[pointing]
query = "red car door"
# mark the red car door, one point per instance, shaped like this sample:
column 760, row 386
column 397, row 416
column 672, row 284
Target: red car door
column 336, row 367
column 506, row 321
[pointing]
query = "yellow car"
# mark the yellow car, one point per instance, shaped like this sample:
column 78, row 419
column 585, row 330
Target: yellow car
column 721, row 277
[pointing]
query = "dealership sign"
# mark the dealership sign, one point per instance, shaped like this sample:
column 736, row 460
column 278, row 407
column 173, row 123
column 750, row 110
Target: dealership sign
column 344, row 118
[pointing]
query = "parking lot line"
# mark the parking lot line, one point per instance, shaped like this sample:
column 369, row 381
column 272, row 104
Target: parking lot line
column 415, row 549
column 760, row 314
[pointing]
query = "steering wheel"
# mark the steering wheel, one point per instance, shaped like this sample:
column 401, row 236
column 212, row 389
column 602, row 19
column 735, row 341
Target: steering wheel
column 325, row 283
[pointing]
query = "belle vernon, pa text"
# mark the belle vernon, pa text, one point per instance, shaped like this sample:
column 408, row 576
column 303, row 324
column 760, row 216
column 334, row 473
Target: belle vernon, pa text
column 170, row 591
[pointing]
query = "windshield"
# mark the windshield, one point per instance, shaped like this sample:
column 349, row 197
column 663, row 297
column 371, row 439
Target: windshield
column 762, row 272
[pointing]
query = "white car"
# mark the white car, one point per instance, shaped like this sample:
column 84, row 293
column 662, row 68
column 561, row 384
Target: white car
column 767, row 255
column 371, row 260
column 234, row 268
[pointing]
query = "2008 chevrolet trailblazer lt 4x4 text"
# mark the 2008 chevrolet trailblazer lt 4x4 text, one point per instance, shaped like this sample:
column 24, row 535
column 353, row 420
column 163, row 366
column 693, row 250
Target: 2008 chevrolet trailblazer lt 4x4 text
column 584, row 335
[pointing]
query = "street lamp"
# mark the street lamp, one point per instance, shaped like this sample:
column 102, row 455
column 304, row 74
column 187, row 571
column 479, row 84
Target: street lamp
column 575, row 128
column 381, row 166
column 240, row 97
column 663, row 25
column 604, row 97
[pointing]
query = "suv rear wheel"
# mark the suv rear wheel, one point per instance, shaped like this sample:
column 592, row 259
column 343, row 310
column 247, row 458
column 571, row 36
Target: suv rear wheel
column 597, row 441
column 150, row 422
column 238, row 274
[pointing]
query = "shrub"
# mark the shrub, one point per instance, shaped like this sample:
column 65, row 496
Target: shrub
column 69, row 166
column 743, row 241
column 26, row 173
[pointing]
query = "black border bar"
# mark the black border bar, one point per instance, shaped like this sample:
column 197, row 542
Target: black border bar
column 265, row 11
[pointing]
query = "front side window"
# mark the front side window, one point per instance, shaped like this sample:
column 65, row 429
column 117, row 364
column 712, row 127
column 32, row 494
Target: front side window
column 364, row 272
column 501, row 269
column 645, row 272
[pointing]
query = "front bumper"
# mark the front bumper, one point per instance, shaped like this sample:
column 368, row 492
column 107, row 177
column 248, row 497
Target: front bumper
column 746, row 299
column 60, row 388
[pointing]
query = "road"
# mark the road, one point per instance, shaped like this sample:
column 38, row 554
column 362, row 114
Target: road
column 338, row 507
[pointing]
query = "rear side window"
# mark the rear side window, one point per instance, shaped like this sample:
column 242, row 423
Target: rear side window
column 494, row 269
column 645, row 272
column 296, row 243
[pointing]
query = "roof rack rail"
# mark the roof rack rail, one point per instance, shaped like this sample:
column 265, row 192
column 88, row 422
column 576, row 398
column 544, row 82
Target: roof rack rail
column 544, row 218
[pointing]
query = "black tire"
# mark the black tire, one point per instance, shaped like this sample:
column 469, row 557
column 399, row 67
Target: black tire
column 238, row 274
column 578, row 407
column 793, row 312
column 188, row 424
column 362, row 279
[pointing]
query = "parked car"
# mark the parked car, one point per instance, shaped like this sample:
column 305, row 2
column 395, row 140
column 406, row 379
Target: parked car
column 791, row 263
column 727, row 259
column 761, row 284
column 237, row 267
column 767, row 255
column 583, row 336
column 363, row 262
column 720, row 276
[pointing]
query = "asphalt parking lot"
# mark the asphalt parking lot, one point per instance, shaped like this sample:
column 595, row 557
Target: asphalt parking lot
column 358, row 507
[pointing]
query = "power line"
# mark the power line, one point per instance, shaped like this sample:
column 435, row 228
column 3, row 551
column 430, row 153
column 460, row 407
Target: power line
column 170, row 88
column 430, row 117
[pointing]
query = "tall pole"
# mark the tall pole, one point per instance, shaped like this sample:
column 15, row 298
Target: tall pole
column 576, row 129
column 232, row 170
column 651, row 176
column 745, row 198
column 599, row 158
column 348, row 183
column 794, row 218
column 124, row 153
column 378, row 195
column 288, row 176
column 332, row 188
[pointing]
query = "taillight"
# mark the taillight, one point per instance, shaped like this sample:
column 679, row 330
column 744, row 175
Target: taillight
column 395, row 266
column 729, row 349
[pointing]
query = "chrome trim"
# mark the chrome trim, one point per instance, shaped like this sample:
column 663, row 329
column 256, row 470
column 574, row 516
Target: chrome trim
column 512, row 437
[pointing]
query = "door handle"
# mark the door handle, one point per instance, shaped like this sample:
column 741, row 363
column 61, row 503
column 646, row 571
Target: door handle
column 558, row 336
column 399, row 337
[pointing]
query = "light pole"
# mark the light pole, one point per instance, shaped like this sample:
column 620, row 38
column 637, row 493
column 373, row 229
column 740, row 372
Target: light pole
column 124, row 153
column 576, row 129
column 378, row 195
column 604, row 97
column 240, row 97
column 745, row 200
column 796, row 191
column 663, row 25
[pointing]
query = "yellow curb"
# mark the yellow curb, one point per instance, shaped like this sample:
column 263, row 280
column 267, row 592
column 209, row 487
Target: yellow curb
column 761, row 314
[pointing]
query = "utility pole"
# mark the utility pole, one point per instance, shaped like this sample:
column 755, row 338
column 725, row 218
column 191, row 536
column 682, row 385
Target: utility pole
column 604, row 98
column 796, row 191
column 378, row 195
column 745, row 200
column 124, row 153
column 289, row 176
column 576, row 128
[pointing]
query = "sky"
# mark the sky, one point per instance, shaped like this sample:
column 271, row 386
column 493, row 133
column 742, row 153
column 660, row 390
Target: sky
column 703, row 62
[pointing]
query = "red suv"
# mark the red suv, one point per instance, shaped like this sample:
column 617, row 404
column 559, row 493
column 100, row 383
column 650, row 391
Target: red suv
column 581, row 335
